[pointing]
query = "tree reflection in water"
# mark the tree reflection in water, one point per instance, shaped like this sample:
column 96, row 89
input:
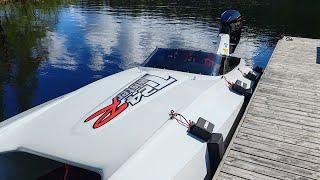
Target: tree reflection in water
column 23, row 25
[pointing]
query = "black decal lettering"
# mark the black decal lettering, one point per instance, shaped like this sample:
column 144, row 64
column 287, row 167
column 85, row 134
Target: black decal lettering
column 147, row 91
column 134, row 99
column 134, row 86
column 142, row 81
column 122, row 95
column 160, row 81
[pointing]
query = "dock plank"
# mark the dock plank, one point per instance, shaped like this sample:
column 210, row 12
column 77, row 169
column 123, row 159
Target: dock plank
column 269, row 166
column 284, row 116
column 279, row 134
column 279, row 157
column 284, row 125
column 294, row 111
column 226, row 176
column 256, row 168
column 275, row 148
column 278, row 130
column 278, row 144
column 282, row 137
column 240, row 172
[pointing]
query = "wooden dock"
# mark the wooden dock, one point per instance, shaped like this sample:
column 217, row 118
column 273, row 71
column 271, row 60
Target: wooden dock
column 279, row 134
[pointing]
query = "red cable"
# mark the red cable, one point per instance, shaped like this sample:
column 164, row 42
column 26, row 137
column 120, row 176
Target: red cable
column 182, row 123
column 66, row 171
column 229, row 84
column 186, row 123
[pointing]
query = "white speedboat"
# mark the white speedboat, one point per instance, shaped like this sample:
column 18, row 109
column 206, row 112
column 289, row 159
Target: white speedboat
column 131, row 125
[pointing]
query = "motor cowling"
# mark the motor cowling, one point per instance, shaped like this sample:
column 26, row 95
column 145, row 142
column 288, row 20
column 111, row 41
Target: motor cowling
column 231, row 23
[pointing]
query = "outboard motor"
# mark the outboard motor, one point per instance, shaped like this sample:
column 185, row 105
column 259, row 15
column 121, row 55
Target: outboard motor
column 231, row 23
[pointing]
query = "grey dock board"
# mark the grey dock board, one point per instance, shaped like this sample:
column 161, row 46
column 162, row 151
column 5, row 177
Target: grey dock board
column 279, row 135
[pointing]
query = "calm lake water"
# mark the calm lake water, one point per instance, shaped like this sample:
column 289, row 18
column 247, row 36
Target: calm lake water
column 53, row 47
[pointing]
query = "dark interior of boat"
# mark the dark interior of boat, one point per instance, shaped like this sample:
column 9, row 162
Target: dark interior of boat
column 22, row 165
column 197, row 62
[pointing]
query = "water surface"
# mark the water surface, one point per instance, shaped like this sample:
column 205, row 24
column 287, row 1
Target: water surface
column 53, row 47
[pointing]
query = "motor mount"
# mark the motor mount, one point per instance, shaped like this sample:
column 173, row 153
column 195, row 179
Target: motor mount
column 231, row 23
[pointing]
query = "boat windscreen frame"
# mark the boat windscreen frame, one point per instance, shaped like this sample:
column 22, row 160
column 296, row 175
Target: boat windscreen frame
column 148, row 58
column 197, row 66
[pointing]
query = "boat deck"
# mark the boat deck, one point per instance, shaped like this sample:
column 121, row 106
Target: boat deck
column 279, row 134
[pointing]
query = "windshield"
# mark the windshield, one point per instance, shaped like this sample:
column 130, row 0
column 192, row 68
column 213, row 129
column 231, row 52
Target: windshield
column 198, row 62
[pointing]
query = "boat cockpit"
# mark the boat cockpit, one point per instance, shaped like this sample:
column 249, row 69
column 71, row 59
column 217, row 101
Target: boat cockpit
column 197, row 62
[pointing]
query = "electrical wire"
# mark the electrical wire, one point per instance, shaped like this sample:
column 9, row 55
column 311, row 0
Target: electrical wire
column 180, row 119
column 229, row 83
column 66, row 171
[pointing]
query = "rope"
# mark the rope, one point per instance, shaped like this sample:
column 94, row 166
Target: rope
column 229, row 83
column 184, row 122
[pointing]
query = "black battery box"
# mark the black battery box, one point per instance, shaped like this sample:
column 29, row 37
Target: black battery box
column 251, row 76
column 240, row 88
column 202, row 129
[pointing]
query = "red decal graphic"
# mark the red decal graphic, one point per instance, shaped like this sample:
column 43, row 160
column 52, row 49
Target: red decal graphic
column 130, row 96
column 108, row 113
